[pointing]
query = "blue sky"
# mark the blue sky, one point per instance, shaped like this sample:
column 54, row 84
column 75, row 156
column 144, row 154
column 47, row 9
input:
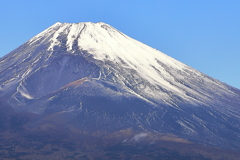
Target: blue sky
column 202, row 34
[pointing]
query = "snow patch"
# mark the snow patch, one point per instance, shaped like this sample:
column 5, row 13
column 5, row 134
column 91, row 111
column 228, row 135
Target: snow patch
column 139, row 136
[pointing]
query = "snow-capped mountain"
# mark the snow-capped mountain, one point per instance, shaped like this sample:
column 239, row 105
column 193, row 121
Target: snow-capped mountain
column 93, row 77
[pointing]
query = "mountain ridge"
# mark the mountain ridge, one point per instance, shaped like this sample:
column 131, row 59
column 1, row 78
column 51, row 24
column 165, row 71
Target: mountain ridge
column 105, row 80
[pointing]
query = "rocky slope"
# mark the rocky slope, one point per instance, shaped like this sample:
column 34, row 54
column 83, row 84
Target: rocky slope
column 90, row 78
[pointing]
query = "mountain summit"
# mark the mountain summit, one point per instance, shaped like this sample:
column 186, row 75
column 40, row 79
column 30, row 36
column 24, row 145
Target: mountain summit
column 91, row 78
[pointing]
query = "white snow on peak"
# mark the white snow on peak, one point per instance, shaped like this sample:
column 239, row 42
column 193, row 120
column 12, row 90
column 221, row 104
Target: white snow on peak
column 54, row 40
column 46, row 33
column 107, row 43
column 57, row 23
column 74, row 32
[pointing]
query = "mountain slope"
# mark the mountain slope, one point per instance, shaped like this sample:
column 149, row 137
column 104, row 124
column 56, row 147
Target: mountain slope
column 92, row 77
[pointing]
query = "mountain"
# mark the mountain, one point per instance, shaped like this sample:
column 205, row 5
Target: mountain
column 89, row 82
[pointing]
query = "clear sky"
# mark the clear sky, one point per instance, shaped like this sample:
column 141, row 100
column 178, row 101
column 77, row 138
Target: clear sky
column 204, row 34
